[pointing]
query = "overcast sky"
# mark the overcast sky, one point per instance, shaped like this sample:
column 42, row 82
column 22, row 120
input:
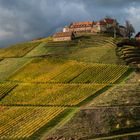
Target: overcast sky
column 22, row 20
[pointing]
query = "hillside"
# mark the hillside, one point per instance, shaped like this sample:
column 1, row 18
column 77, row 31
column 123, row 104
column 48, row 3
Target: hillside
column 78, row 89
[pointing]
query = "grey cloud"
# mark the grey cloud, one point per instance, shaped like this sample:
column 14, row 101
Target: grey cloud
column 22, row 20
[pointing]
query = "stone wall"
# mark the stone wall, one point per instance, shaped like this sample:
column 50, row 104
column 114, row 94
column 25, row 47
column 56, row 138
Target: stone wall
column 62, row 39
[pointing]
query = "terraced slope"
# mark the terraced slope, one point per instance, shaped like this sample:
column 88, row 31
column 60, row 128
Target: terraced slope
column 129, row 52
column 51, row 81
column 93, row 49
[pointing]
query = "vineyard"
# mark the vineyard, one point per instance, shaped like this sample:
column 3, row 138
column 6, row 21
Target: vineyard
column 5, row 88
column 69, row 72
column 22, row 122
column 42, row 79
column 96, row 73
column 39, row 69
column 51, row 94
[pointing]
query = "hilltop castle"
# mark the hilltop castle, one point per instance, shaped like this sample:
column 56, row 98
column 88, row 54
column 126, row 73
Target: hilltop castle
column 101, row 26
column 95, row 27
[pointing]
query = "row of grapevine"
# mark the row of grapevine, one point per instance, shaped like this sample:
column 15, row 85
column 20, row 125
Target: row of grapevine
column 101, row 73
column 43, row 70
column 69, row 74
column 23, row 122
column 51, row 94
column 74, row 72
column 5, row 88
column 96, row 73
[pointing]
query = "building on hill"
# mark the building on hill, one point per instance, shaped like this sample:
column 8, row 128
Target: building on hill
column 63, row 36
column 109, row 22
column 79, row 27
column 66, row 29
column 104, row 25
column 99, row 27
column 137, row 36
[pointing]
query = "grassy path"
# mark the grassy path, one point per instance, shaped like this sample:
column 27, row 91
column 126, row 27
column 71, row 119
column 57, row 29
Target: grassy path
column 113, row 106
column 117, row 136
column 61, row 123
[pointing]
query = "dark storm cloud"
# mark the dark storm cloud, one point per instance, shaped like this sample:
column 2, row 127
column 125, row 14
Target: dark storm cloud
column 114, row 3
column 26, row 19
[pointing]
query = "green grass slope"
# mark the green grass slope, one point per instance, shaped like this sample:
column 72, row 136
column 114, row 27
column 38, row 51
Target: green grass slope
column 10, row 65
column 92, row 49
column 18, row 50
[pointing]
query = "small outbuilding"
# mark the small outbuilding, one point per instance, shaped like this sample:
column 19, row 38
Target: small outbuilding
column 109, row 22
column 99, row 26
column 63, row 36
column 137, row 36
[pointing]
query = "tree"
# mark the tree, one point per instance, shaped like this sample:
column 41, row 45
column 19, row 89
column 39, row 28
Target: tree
column 122, row 30
column 129, row 29
column 115, row 27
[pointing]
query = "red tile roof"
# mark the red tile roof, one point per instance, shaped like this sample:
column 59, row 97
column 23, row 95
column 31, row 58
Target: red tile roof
column 63, row 34
column 109, row 20
column 138, row 34
column 101, row 23
column 81, row 24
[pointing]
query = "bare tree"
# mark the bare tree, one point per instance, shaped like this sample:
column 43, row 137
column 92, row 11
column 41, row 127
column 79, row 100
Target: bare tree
column 129, row 29
column 115, row 27
column 122, row 30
